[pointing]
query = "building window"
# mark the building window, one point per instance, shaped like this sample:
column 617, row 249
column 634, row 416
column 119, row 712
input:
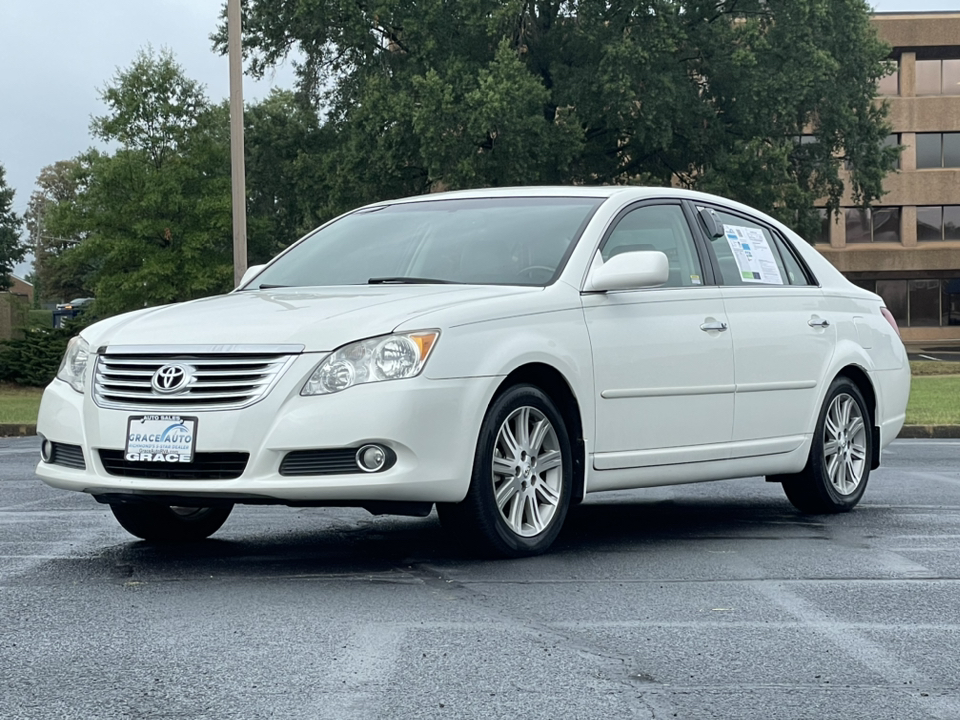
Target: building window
column 894, row 294
column 938, row 77
column 951, row 77
column 858, row 225
column 881, row 224
column 938, row 223
column 938, row 150
column 950, row 302
column 926, row 302
column 929, row 223
column 951, row 222
column 928, row 77
column 824, row 236
column 890, row 85
column 893, row 141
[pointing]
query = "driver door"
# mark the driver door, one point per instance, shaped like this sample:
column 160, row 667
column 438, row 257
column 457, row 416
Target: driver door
column 662, row 357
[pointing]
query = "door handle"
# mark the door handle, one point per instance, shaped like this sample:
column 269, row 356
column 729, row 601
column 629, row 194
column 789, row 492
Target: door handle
column 818, row 322
column 713, row 325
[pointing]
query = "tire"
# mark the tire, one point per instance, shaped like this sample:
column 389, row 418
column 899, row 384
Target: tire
column 163, row 523
column 525, row 459
column 838, row 468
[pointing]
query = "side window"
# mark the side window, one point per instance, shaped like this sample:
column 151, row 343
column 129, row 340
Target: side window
column 795, row 271
column 749, row 254
column 663, row 228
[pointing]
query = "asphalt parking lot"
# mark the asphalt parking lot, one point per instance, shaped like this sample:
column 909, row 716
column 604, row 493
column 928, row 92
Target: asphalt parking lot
column 937, row 354
column 702, row 601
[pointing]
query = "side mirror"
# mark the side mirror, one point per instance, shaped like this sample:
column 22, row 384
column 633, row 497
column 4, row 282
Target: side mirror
column 630, row 271
column 250, row 274
column 711, row 221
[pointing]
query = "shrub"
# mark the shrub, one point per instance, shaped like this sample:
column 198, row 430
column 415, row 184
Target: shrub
column 34, row 358
column 41, row 318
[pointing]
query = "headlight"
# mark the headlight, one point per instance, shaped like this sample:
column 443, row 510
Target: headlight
column 74, row 363
column 390, row 357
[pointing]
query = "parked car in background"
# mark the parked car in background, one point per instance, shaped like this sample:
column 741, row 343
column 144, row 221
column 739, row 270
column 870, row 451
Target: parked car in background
column 498, row 354
column 68, row 310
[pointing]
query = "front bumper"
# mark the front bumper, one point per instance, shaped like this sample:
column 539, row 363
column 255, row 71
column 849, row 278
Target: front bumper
column 431, row 425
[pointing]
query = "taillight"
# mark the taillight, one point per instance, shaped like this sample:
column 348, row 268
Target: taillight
column 890, row 319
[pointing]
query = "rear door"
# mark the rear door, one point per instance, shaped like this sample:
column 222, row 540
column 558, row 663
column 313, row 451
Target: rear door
column 782, row 331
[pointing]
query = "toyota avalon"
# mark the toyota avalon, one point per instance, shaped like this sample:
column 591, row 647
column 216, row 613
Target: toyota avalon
column 496, row 354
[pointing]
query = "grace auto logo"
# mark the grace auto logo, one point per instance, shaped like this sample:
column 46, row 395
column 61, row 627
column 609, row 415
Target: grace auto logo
column 171, row 379
column 171, row 444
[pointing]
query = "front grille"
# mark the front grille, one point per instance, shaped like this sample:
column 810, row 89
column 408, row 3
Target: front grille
column 338, row 461
column 205, row 466
column 70, row 456
column 218, row 381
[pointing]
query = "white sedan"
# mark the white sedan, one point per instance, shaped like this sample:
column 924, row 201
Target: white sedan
column 496, row 353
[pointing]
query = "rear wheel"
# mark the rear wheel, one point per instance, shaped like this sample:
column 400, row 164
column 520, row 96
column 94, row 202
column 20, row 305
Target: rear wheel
column 165, row 523
column 522, row 478
column 838, row 468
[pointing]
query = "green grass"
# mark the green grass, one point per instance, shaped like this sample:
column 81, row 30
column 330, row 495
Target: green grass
column 19, row 405
column 934, row 401
column 931, row 367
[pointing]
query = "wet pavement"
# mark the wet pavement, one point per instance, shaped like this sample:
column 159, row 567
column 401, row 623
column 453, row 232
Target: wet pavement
column 703, row 601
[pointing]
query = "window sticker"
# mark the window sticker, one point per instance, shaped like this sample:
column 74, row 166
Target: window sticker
column 753, row 254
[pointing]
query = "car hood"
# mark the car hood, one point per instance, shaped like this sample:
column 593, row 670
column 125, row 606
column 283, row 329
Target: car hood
column 320, row 319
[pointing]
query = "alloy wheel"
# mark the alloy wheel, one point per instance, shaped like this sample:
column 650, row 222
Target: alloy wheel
column 527, row 471
column 844, row 444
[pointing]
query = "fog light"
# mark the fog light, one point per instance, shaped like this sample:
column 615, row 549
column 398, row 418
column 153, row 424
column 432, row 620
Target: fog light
column 371, row 458
column 46, row 449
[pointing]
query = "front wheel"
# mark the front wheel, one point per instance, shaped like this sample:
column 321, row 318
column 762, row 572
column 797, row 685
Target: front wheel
column 165, row 523
column 522, row 478
column 837, row 470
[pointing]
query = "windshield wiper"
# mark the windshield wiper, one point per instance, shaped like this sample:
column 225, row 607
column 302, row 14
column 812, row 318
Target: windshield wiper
column 400, row 280
column 268, row 286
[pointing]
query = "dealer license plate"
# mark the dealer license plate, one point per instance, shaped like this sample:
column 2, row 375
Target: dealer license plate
column 161, row 438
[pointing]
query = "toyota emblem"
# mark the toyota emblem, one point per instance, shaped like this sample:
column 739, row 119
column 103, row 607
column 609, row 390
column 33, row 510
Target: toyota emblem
column 170, row 379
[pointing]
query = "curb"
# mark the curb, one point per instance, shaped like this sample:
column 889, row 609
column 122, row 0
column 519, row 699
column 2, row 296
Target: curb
column 929, row 431
column 17, row 429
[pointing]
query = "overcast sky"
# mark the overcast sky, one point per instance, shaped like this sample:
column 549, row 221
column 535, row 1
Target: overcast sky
column 55, row 54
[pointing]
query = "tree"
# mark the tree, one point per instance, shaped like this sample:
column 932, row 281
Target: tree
column 57, row 186
column 152, row 218
column 150, row 223
column 285, row 146
column 12, row 250
column 706, row 94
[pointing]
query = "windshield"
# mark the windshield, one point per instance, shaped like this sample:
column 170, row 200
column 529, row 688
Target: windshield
column 486, row 241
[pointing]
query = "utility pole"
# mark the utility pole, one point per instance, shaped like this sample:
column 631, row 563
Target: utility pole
column 237, row 168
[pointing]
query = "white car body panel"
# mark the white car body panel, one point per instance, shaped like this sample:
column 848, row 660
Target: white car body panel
column 781, row 360
column 661, row 381
column 321, row 319
column 660, row 400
